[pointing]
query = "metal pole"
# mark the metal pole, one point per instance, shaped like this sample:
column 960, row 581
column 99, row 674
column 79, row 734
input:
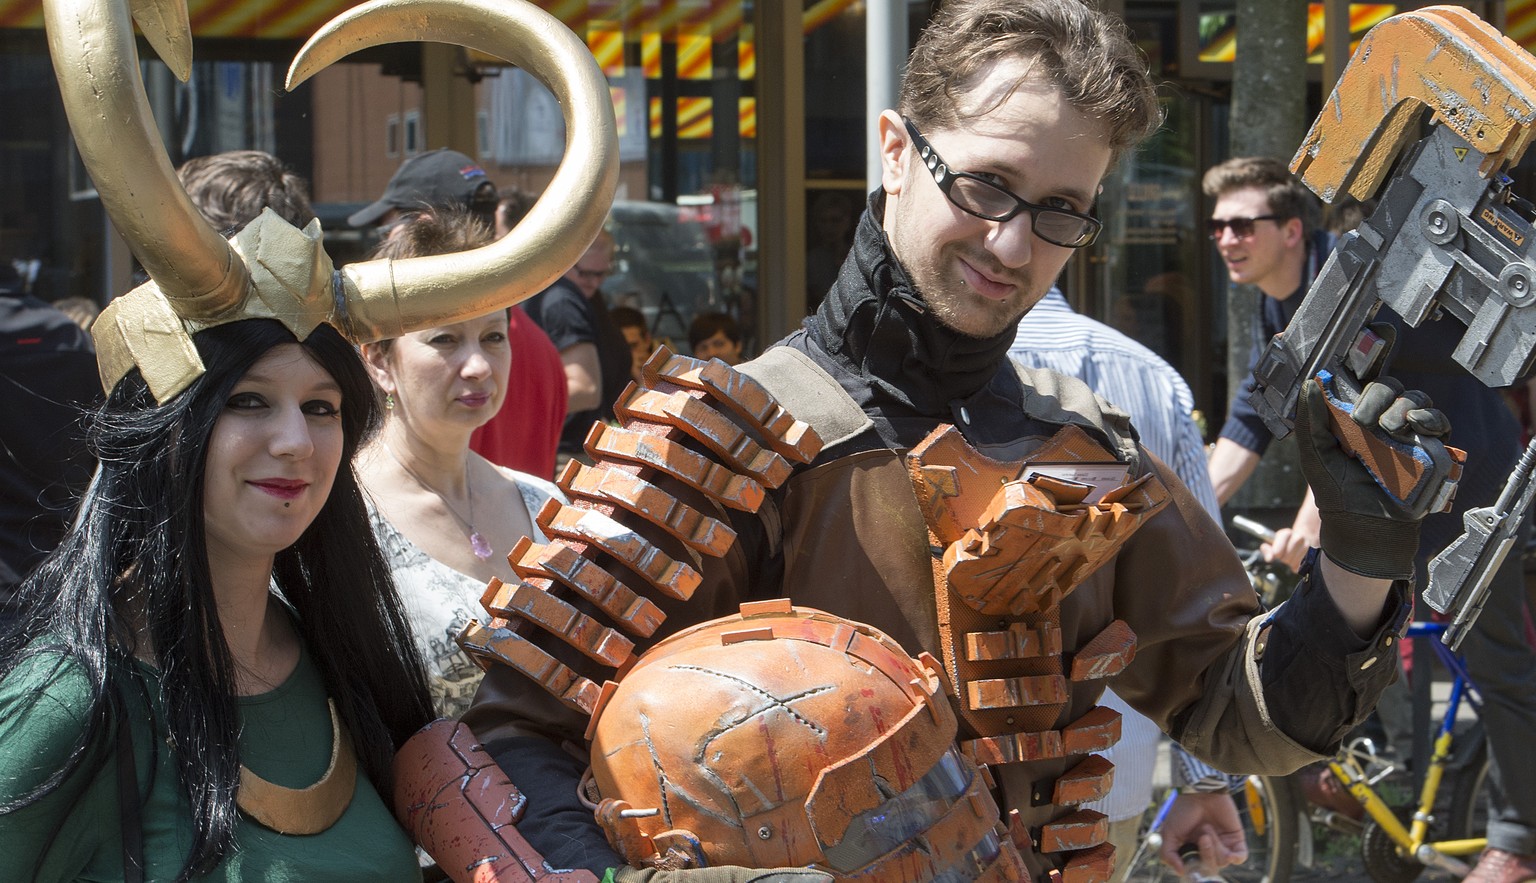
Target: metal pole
column 1335, row 42
column 885, row 53
column 781, row 170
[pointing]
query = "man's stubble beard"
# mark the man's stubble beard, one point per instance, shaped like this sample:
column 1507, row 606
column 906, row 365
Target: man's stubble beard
column 956, row 306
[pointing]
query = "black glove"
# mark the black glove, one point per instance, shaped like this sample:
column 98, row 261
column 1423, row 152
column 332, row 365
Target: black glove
column 722, row 874
column 1364, row 528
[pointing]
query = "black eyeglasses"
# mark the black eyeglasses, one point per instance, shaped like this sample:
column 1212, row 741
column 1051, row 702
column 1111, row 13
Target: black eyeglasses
column 976, row 195
column 1242, row 228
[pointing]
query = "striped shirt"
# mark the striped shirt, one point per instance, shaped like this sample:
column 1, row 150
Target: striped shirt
column 1126, row 374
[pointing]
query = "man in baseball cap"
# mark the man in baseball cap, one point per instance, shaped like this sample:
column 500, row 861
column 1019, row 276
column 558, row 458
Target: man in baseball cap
column 440, row 177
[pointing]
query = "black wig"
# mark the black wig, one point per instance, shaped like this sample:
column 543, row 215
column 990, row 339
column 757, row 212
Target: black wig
column 135, row 564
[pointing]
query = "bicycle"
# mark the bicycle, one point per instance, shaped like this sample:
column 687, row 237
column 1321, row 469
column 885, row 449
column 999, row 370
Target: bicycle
column 1397, row 844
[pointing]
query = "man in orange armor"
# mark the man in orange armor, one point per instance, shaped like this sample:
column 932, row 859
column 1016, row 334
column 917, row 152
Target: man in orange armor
column 1004, row 521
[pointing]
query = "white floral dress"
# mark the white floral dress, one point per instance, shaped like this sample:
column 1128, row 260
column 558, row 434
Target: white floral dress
column 440, row 600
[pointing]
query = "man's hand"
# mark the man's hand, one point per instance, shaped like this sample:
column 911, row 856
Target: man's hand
column 1365, row 530
column 1288, row 547
column 1290, row 544
column 1210, row 821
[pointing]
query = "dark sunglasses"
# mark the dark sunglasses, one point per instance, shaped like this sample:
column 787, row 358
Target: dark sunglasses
column 976, row 195
column 1242, row 228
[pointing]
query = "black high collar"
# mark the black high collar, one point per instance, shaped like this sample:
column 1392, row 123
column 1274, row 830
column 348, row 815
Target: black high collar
column 874, row 323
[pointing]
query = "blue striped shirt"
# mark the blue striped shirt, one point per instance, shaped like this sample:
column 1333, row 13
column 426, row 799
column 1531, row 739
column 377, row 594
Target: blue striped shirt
column 1126, row 374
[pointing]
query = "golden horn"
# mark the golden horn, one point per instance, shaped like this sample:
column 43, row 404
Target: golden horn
column 97, row 65
column 385, row 299
column 167, row 27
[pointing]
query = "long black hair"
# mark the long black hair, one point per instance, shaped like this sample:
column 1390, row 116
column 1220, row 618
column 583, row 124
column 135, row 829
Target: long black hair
column 136, row 563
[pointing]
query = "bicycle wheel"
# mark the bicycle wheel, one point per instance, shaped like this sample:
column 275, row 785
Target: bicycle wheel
column 1269, row 811
column 1271, row 817
column 1469, row 792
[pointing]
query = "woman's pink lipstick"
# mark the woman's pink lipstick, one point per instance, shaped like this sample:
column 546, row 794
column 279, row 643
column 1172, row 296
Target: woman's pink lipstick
column 282, row 488
column 475, row 400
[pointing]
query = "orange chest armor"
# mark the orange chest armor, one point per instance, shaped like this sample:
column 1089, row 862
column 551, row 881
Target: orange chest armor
column 1010, row 542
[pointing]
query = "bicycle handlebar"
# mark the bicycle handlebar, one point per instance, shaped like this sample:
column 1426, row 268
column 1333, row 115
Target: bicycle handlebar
column 1253, row 528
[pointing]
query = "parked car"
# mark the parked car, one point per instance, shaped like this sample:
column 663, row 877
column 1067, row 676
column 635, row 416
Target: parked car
column 664, row 265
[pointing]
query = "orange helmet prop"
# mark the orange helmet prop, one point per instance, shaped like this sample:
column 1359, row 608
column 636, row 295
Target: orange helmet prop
column 788, row 737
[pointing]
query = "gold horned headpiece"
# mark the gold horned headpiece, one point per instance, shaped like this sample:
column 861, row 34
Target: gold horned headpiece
column 271, row 269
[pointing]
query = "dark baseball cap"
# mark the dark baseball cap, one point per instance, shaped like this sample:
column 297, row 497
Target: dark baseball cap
column 440, row 177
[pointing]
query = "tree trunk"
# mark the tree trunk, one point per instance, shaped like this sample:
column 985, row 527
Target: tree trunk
column 1269, row 118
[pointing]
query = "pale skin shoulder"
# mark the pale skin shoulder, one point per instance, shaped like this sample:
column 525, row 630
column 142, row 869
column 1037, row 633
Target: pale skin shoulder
column 426, row 520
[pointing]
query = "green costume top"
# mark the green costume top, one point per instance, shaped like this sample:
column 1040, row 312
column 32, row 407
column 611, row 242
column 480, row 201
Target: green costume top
column 75, row 833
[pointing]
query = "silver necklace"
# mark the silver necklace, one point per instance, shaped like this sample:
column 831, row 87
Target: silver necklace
column 477, row 542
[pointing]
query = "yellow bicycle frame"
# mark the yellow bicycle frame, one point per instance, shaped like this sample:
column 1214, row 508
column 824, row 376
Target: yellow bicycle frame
column 1410, row 840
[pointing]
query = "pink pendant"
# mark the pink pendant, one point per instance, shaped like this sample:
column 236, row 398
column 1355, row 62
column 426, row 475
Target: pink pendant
column 479, row 546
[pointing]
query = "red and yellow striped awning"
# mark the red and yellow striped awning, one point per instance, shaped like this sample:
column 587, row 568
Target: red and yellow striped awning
column 1221, row 44
column 271, row 19
column 601, row 21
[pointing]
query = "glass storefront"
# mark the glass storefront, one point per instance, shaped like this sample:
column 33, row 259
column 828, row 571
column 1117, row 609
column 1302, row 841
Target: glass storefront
column 42, row 249
column 682, row 75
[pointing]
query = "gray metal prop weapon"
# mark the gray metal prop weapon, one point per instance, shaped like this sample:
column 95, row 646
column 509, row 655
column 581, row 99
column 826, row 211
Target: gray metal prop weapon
column 1449, row 237
column 1460, row 575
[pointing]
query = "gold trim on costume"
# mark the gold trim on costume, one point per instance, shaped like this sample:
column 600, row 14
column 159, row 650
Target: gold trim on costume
column 304, row 810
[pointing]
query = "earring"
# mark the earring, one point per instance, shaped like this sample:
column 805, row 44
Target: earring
column 389, row 401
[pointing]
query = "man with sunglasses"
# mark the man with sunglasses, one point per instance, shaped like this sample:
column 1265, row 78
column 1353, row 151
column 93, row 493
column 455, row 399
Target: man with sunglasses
column 1263, row 225
column 1011, row 114
column 592, row 349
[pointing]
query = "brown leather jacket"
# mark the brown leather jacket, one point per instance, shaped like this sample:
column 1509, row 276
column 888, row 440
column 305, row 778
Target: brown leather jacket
column 846, row 535
column 851, row 540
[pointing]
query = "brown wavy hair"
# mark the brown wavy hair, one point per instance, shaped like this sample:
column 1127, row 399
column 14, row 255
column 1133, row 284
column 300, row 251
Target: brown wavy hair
column 230, row 189
column 1086, row 53
column 1287, row 196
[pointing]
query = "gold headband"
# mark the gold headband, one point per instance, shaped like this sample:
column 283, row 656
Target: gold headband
column 271, row 269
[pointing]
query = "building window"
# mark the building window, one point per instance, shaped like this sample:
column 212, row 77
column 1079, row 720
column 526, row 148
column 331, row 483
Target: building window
column 392, row 136
column 412, row 132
